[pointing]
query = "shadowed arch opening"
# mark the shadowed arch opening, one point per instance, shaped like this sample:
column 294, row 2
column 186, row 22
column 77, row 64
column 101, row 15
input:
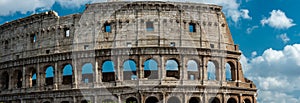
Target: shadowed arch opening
column 85, row 101
column 87, row 73
column 65, row 102
column 129, row 70
column 152, row 100
column 211, row 71
column 194, row 100
column 151, row 69
column 247, row 100
column 17, row 79
column 46, row 102
column 131, row 100
column 214, row 100
column 172, row 68
column 4, row 81
column 192, row 70
column 108, row 71
column 67, row 74
column 231, row 100
column 49, row 75
column 173, row 100
column 228, row 72
column 33, row 78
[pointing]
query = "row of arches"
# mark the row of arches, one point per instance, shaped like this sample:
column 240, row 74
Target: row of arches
column 109, row 72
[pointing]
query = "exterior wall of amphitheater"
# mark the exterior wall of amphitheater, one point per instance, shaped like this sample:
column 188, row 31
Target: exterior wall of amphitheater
column 118, row 32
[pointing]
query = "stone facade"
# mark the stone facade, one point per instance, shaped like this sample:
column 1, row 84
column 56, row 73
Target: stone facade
column 118, row 33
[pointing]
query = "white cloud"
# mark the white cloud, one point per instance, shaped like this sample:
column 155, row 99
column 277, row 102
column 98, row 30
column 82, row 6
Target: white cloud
column 253, row 54
column 276, row 74
column 249, row 30
column 284, row 37
column 245, row 14
column 278, row 20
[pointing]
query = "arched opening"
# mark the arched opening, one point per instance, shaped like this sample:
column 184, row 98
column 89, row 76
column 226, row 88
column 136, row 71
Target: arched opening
column 49, row 75
column 87, row 73
column 173, row 100
column 194, row 100
column 151, row 69
column 17, row 79
column 46, row 102
column 85, row 101
column 67, row 74
column 108, row 101
column 152, row 100
column 228, row 72
column 247, row 100
column 65, row 102
column 192, row 70
column 129, row 70
column 33, row 78
column 108, row 71
column 131, row 100
column 172, row 69
column 4, row 81
column 211, row 71
column 214, row 100
column 231, row 100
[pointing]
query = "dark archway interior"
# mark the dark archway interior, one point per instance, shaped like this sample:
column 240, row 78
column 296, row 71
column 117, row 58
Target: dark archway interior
column 131, row 100
column 231, row 100
column 247, row 101
column 194, row 100
column 214, row 100
column 152, row 100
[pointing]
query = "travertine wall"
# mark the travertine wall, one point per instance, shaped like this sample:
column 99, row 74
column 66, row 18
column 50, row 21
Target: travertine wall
column 33, row 44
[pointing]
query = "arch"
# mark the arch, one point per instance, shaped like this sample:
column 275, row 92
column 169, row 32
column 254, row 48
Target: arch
column 87, row 73
column 67, row 74
column 131, row 100
column 173, row 100
column 108, row 71
column 49, row 75
column 172, row 68
column 247, row 100
column 17, row 78
column 194, row 100
column 129, row 70
column 192, row 69
column 65, row 102
column 231, row 100
column 214, row 100
column 4, row 80
column 46, row 102
column 85, row 101
column 33, row 78
column 228, row 72
column 211, row 71
column 151, row 69
column 152, row 99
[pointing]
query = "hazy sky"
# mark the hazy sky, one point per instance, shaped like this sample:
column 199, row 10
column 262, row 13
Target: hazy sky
column 267, row 31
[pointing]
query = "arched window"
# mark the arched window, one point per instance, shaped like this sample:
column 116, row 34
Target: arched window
column 67, row 74
column 150, row 69
column 211, row 71
column 49, row 75
column 33, row 78
column 172, row 69
column 129, row 70
column 131, row 100
column 173, row 100
column 194, row 100
column 214, row 100
column 228, row 72
column 192, row 69
column 231, row 100
column 87, row 73
column 108, row 71
column 4, row 81
column 247, row 100
column 17, row 79
column 152, row 100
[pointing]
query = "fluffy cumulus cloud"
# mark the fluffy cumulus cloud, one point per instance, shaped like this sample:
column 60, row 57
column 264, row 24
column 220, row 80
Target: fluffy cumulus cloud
column 9, row 7
column 278, row 20
column 276, row 74
column 284, row 37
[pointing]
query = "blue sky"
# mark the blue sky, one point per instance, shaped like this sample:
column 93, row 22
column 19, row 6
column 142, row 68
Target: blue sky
column 267, row 31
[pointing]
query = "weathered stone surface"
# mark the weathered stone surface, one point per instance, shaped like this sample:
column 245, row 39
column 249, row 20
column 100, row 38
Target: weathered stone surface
column 140, row 31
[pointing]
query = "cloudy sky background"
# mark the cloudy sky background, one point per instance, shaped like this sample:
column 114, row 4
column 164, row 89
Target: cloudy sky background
column 267, row 31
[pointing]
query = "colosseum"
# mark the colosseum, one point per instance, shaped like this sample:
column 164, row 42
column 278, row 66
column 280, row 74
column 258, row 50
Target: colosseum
column 123, row 52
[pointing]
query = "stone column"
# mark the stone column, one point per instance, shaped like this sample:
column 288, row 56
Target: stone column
column 38, row 75
column 241, row 98
column 74, row 76
column 184, row 67
column 24, row 77
column 119, row 73
column 56, row 77
column 95, row 99
column 119, row 98
column 96, row 74
column 204, row 66
column 163, row 69
column 164, row 97
column 141, row 68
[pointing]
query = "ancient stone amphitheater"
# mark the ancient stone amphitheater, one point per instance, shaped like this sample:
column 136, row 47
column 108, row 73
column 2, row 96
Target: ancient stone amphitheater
column 123, row 52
